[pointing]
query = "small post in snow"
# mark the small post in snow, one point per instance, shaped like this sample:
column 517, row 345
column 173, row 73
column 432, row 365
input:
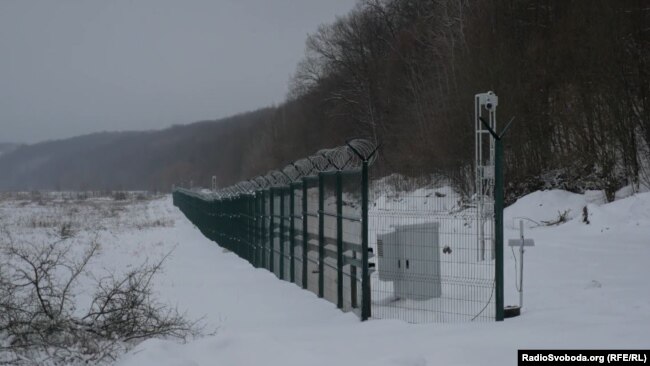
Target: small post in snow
column 521, row 243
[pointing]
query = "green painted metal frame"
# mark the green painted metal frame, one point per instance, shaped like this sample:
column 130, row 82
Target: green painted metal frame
column 305, row 280
column 321, row 236
column 339, row 240
column 498, row 216
column 281, row 239
column 247, row 223
column 292, row 235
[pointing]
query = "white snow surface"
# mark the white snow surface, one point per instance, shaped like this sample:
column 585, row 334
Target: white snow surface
column 586, row 286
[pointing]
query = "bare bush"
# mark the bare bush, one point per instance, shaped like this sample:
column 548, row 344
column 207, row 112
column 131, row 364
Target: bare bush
column 561, row 218
column 39, row 319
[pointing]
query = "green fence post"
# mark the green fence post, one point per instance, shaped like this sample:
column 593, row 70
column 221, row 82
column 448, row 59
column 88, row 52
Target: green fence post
column 254, row 228
column 271, row 231
column 236, row 232
column 253, row 209
column 292, row 236
column 281, row 240
column 365, row 275
column 339, row 240
column 230, row 227
column 353, row 284
column 498, row 216
column 223, row 237
column 234, row 224
column 498, row 222
column 263, row 230
column 304, row 234
column 321, row 235
column 240, row 236
column 250, row 227
column 354, row 281
column 258, row 227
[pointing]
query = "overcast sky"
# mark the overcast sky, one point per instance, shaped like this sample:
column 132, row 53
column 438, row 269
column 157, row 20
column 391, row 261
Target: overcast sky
column 75, row 67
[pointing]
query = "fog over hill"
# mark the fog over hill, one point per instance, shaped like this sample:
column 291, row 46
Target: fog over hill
column 6, row 147
column 132, row 160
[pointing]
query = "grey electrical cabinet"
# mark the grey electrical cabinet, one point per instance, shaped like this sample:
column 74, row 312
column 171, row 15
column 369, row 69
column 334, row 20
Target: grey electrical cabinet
column 409, row 256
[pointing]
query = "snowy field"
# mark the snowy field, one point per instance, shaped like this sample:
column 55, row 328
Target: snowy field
column 586, row 286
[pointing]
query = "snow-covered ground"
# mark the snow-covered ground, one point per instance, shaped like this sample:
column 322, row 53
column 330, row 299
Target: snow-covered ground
column 586, row 286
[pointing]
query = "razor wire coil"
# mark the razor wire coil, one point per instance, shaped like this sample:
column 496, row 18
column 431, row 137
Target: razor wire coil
column 346, row 157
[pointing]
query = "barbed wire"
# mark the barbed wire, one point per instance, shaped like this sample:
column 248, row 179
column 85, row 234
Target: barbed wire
column 347, row 157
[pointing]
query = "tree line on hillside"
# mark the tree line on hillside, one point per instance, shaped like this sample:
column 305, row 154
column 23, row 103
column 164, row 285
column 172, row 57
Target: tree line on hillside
column 575, row 74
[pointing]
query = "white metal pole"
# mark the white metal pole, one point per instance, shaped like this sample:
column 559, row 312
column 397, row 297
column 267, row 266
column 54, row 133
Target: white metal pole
column 521, row 265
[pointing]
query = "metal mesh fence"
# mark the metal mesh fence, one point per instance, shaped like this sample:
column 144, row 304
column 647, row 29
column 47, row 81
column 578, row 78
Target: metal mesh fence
column 304, row 223
column 340, row 215
column 414, row 249
column 351, row 214
column 310, row 216
column 430, row 243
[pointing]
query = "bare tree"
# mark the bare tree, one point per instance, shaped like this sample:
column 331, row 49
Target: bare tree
column 38, row 311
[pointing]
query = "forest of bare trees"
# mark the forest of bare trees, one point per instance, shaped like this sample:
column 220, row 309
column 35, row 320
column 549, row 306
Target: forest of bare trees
column 575, row 74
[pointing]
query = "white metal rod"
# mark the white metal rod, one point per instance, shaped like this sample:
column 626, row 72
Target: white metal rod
column 521, row 265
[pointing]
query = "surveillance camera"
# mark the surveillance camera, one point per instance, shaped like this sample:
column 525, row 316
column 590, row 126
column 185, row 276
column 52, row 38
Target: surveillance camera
column 491, row 101
column 488, row 100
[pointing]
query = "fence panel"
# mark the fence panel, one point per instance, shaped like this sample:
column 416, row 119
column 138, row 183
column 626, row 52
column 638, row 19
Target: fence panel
column 266, row 236
column 328, row 215
column 311, row 218
column 285, row 228
column 430, row 242
column 351, row 238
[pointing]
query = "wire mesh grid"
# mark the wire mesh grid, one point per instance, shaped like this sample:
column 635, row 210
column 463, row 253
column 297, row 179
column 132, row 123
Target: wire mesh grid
column 275, row 230
column 283, row 222
column 266, row 245
column 311, row 217
column 351, row 235
column 415, row 250
column 430, row 242
column 296, row 190
column 328, row 217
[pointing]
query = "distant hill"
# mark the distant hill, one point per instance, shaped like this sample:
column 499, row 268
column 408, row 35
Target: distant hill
column 7, row 147
column 143, row 160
